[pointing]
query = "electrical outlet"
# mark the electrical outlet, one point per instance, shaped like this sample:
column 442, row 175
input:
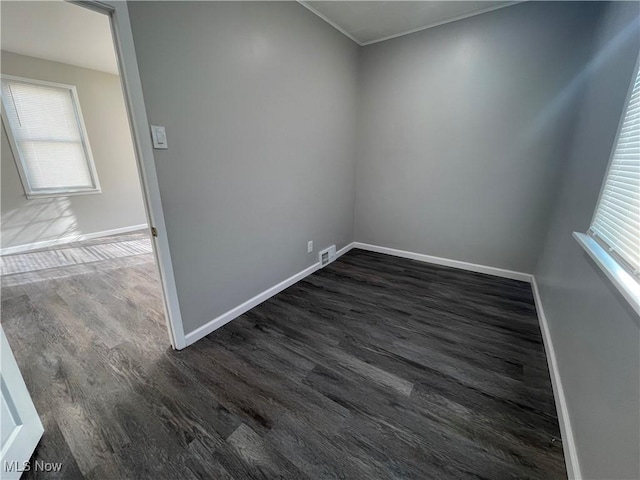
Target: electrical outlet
column 310, row 246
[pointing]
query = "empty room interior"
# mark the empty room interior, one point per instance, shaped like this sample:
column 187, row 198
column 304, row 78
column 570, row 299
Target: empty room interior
column 320, row 239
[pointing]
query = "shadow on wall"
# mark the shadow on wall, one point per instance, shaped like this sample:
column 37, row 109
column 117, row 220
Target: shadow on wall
column 40, row 219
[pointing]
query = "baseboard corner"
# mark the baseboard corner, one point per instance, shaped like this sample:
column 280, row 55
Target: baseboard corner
column 347, row 248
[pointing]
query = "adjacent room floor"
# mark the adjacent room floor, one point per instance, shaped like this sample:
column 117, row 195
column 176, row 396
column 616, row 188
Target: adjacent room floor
column 374, row 367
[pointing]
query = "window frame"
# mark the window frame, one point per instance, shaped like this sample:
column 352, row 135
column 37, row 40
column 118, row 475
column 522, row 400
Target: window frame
column 620, row 272
column 61, row 191
column 626, row 266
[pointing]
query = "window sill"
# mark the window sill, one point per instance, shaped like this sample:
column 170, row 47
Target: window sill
column 71, row 193
column 624, row 282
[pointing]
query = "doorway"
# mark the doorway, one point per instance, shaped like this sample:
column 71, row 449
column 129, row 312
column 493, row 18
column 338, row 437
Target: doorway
column 85, row 284
column 50, row 48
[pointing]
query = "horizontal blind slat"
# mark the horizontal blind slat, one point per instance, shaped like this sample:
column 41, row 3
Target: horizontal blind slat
column 621, row 243
column 611, row 208
column 628, row 191
column 624, row 228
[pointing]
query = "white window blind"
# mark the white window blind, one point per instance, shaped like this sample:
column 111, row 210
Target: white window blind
column 616, row 223
column 48, row 138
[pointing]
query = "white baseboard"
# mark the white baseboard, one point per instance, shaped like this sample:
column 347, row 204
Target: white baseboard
column 568, row 442
column 472, row 267
column 74, row 238
column 234, row 313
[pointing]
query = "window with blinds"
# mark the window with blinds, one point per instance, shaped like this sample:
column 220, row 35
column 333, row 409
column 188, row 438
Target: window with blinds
column 616, row 223
column 49, row 142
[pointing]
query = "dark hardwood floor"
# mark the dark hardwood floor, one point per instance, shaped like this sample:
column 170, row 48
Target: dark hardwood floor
column 374, row 367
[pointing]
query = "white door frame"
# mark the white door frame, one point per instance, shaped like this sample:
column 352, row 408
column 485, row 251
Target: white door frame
column 118, row 13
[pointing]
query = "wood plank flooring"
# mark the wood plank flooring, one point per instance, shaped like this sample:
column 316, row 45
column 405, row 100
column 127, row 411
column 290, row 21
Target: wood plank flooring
column 372, row 368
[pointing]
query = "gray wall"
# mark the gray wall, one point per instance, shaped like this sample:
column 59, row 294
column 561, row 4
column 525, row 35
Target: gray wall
column 595, row 333
column 119, row 205
column 462, row 129
column 259, row 104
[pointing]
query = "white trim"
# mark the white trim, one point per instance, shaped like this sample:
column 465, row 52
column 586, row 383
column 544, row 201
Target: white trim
column 624, row 282
column 118, row 13
column 568, row 442
column 234, row 313
column 472, row 267
column 84, row 136
column 74, row 238
column 330, row 22
column 437, row 24
column 407, row 32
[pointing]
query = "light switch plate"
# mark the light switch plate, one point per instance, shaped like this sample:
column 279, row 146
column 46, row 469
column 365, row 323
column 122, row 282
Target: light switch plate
column 159, row 137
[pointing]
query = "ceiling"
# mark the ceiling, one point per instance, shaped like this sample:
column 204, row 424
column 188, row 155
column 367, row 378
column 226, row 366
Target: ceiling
column 58, row 31
column 369, row 22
